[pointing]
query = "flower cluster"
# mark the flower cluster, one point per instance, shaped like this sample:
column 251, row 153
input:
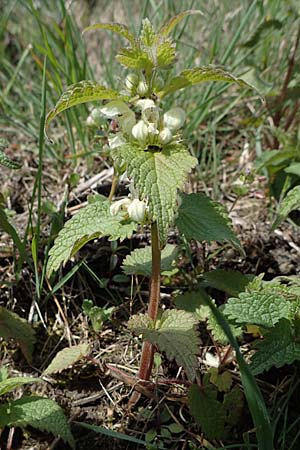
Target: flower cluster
column 146, row 125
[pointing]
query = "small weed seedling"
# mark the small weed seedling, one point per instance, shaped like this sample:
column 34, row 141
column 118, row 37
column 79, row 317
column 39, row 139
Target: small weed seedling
column 145, row 142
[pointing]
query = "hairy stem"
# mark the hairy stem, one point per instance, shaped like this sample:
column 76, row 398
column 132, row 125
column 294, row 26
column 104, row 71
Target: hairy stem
column 148, row 348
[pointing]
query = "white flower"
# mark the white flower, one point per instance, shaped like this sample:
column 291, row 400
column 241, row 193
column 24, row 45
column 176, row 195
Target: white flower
column 115, row 108
column 120, row 205
column 142, row 88
column 90, row 121
column 137, row 210
column 145, row 103
column 140, row 131
column 116, row 140
column 174, row 118
column 165, row 136
column 131, row 81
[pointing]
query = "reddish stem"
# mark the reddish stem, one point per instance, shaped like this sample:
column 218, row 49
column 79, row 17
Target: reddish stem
column 146, row 362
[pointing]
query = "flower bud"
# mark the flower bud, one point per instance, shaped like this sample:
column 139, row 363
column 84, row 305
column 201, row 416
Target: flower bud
column 137, row 210
column 142, row 88
column 174, row 118
column 131, row 81
column 140, row 131
column 165, row 136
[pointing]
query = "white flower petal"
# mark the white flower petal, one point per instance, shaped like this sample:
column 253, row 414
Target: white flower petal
column 140, row 131
column 137, row 210
column 115, row 108
column 165, row 136
column 116, row 140
column 174, row 118
column 119, row 205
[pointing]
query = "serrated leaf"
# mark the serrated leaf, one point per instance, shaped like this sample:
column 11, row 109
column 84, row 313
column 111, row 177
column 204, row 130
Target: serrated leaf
column 230, row 281
column 194, row 302
column 199, row 219
column 37, row 412
column 139, row 322
column 119, row 28
column 134, row 58
column 290, row 202
column 208, row 412
column 82, row 92
column 218, row 332
column 66, row 357
column 198, row 75
column 148, row 34
column 157, row 176
column 4, row 160
column 279, row 347
column 9, row 384
column 222, row 381
column 139, row 262
column 175, row 335
column 168, row 27
column 13, row 326
column 258, row 308
column 90, row 223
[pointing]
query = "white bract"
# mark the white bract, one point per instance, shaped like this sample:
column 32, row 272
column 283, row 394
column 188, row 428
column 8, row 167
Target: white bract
column 174, row 118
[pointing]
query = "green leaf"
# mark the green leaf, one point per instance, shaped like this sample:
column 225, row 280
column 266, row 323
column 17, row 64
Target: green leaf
column 194, row 302
column 230, row 281
column 263, row 308
column 198, row 75
column 118, row 28
column 11, row 231
column 293, row 168
column 148, row 35
column 112, row 434
column 134, row 58
column 218, row 332
column 82, row 92
column 139, row 262
column 279, row 346
column 9, row 384
column 223, row 381
column 175, row 335
column 259, row 412
column 66, row 357
column 13, row 326
column 4, row 160
column 168, row 27
column 90, row 223
column 234, row 405
column 199, row 218
column 208, row 412
column 157, row 176
column 289, row 203
column 37, row 412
